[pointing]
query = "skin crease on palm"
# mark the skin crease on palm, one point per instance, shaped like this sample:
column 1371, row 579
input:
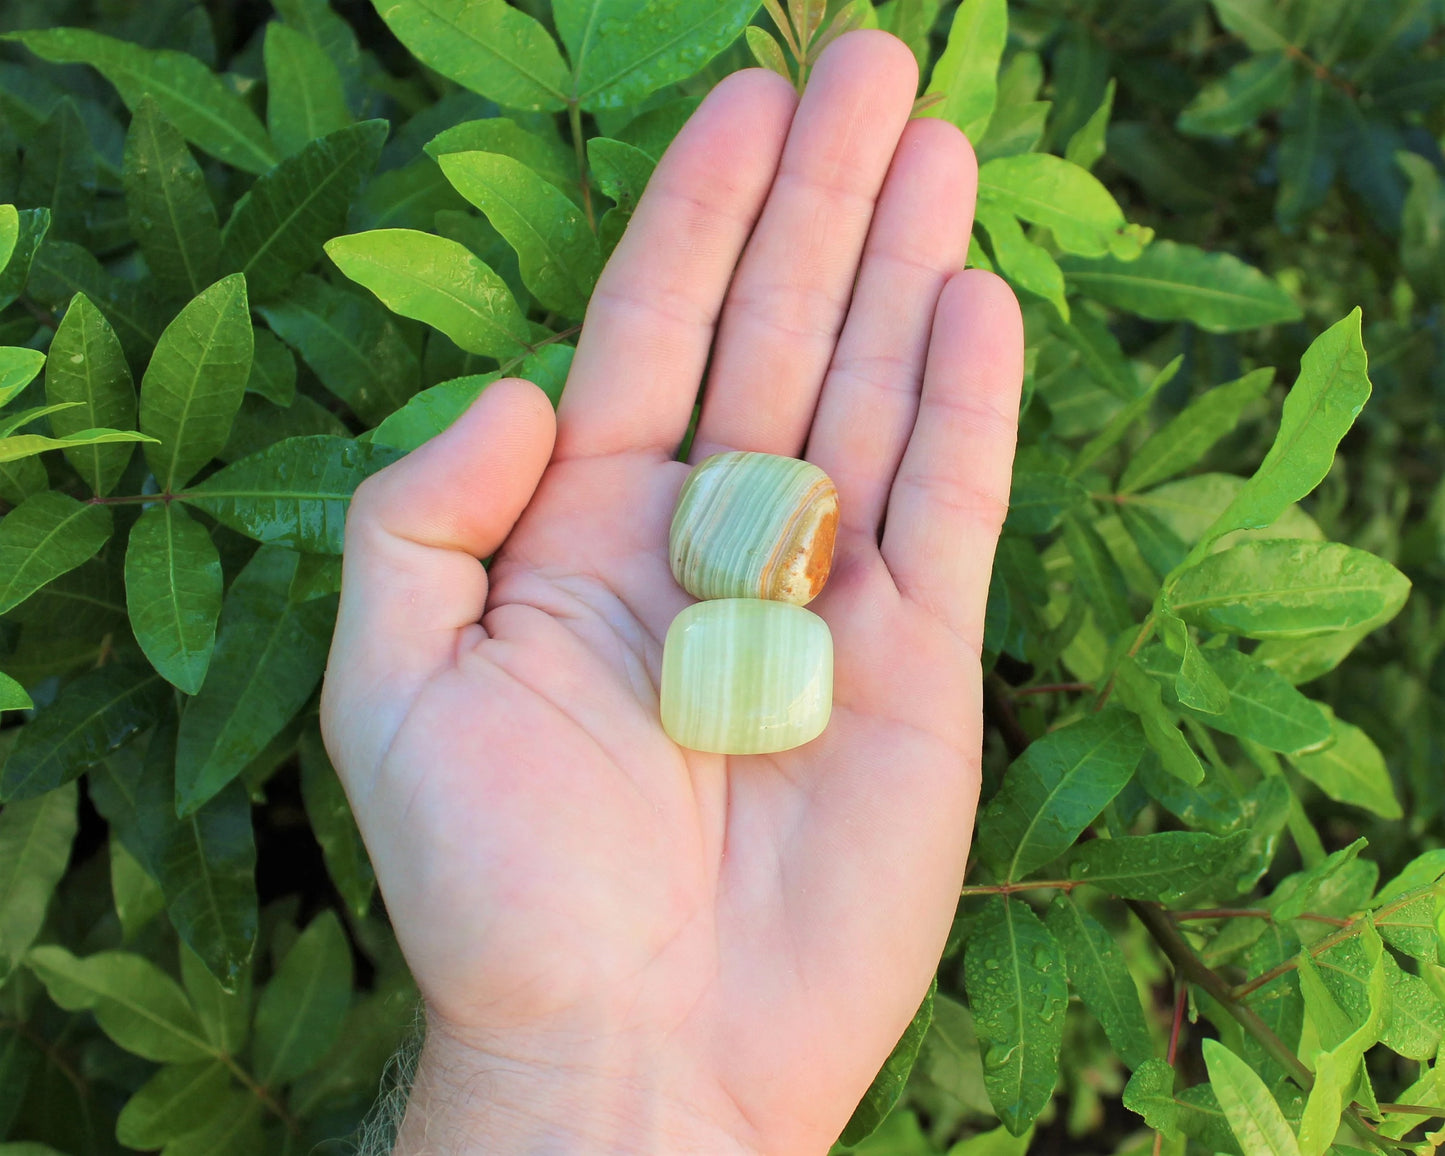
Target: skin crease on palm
column 625, row 946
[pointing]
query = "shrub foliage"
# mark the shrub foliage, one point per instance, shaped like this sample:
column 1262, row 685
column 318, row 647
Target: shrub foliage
column 249, row 256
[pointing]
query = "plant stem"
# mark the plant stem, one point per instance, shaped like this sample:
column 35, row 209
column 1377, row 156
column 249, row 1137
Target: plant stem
column 1028, row 885
column 1145, row 631
column 1250, row 913
column 262, row 1093
column 579, row 145
column 1350, row 929
column 1189, row 966
column 1054, row 688
column 998, row 710
column 1176, row 1029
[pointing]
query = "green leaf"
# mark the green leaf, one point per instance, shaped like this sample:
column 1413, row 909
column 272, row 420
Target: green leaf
column 278, row 228
column 12, row 695
column 177, row 1099
column 1097, row 576
column 1188, row 507
column 171, row 213
column 305, row 98
column 434, row 409
column 1193, row 433
column 62, row 175
column 1150, row 1093
column 300, row 1011
column 1287, row 588
column 1312, row 145
column 1063, row 197
column 1038, row 501
column 544, row 155
column 1100, row 975
column 439, row 282
column 1192, row 681
column 136, row 895
column 559, row 254
column 317, row 20
column 1055, row 789
column 1338, row 1068
column 484, row 45
column 1332, row 388
column 273, row 370
column 1231, row 104
column 35, row 840
column 94, row 715
column 87, row 368
column 351, row 344
column 888, row 1084
column 1173, row 282
column 1162, row 868
column 1351, row 770
column 195, row 381
column 1014, row 971
column 621, row 170
column 173, row 593
column 61, row 270
column 1088, row 143
column 42, row 538
column 1262, row 707
column 226, row 1015
column 207, row 113
column 1295, row 893
column 1254, row 1117
column 233, row 1128
column 967, row 73
column 9, row 233
column 623, row 50
column 270, row 654
column 135, row 1003
column 334, row 826
column 18, row 368
column 1259, row 23
column 1026, row 265
column 1120, row 424
column 1414, row 1017
column 32, row 225
column 19, row 419
column 1423, row 870
column 767, row 51
column 294, row 493
column 28, row 445
column 1302, row 660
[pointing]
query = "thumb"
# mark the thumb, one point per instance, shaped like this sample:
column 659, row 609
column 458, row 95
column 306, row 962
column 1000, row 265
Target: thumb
column 412, row 577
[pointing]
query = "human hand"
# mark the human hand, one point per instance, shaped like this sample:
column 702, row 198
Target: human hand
column 625, row 945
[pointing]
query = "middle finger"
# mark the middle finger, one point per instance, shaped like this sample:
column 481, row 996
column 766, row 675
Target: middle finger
column 792, row 287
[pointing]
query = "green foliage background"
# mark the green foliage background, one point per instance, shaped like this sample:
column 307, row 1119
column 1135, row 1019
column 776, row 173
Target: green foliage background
column 1204, row 911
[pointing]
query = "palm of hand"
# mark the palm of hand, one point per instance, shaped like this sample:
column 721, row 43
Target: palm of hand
column 557, row 869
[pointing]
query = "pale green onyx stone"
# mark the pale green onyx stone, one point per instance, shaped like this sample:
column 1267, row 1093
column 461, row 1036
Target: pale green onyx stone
column 752, row 525
column 743, row 676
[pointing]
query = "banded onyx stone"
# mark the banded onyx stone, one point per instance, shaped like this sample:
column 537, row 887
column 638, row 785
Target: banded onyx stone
column 743, row 676
column 752, row 525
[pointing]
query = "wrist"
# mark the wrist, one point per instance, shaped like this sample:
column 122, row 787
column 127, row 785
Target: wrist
column 585, row 1100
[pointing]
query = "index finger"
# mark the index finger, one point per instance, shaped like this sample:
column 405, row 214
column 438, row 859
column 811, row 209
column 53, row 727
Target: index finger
column 650, row 322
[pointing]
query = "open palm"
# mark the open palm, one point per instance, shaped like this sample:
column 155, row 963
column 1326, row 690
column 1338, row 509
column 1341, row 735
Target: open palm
column 746, row 937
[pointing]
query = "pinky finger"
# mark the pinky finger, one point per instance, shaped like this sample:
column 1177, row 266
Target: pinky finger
column 951, row 492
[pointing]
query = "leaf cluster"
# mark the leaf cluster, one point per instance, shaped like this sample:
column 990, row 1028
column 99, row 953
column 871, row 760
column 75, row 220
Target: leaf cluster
column 245, row 264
